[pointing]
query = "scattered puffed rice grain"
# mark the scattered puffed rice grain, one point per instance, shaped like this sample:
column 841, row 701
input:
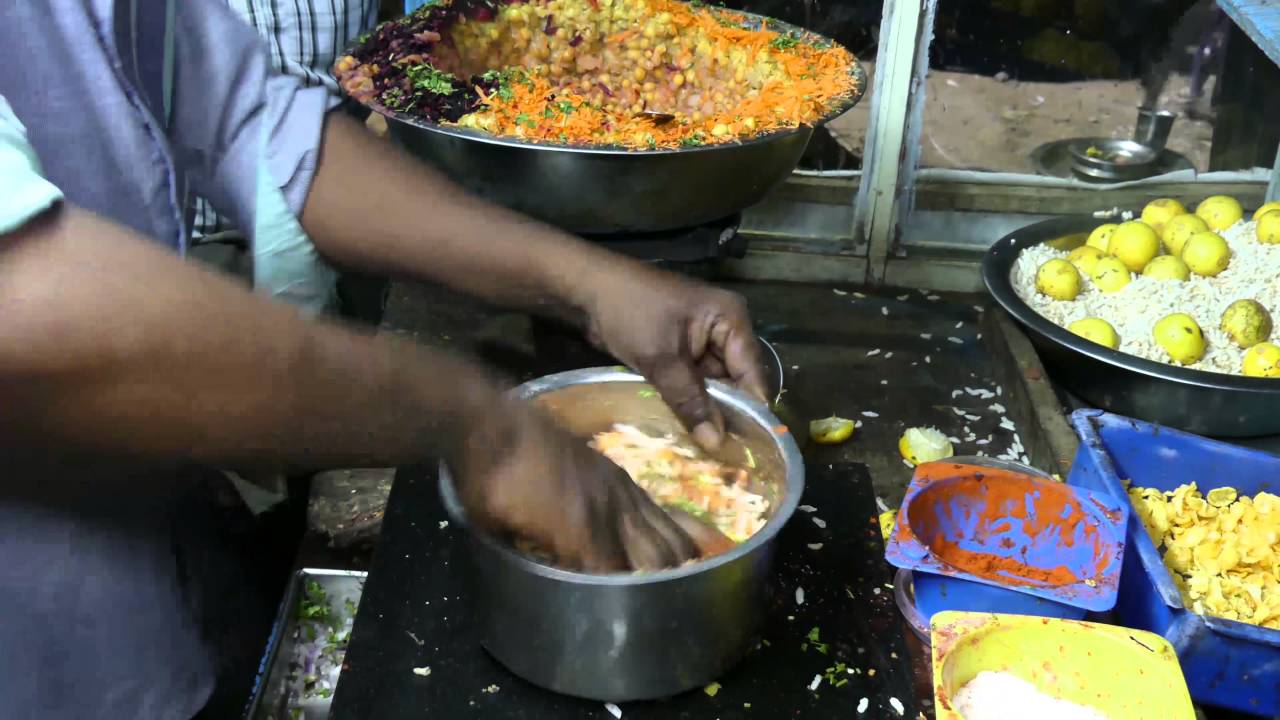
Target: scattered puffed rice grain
column 873, row 352
column 422, row 671
column 926, row 336
column 614, row 710
column 862, row 705
column 815, row 546
column 870, row 414
column 955, row 340
column 897, row 706
column 817, row 680
column 839, row 292
column 807, row 508
column 799, row 596
column 819, row 522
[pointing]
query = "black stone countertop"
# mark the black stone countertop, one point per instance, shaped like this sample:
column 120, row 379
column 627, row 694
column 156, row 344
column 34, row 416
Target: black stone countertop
column 415, row 614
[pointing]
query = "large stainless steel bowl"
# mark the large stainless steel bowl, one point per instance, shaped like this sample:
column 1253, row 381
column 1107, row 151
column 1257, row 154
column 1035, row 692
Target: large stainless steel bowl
column 625, row 637
column 1201, row 402
column 589, row 190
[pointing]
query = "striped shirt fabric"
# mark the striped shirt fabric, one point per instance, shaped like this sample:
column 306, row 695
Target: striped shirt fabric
column 304, row 39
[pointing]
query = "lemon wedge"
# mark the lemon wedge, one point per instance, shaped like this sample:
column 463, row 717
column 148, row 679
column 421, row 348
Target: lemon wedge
column 831, row 431
column 922, row 445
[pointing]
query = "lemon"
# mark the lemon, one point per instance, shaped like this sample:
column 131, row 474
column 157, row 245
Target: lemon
column 1220, row 212
column 1101, row 237
column 1158, row 212
column 1096, row 330
column 1268, row 229
column 831, row 431
column 1268, row 207
column 1167, row 267
column 1178, row 230
column 888, row 519
column 1247, row 323
column 1262, row 360
column 1058, row 279
column 1110, row 275
column 922, row 445
column 1206, row 254
column 1135, row 243
column 1084, row 258
column 1181, row 337
column 1221, row 497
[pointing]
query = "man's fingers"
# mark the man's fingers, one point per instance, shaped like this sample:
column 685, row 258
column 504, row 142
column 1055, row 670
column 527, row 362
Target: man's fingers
column 681, row 546
column 742, row 361
column 711, row 367
column 709, row 540
column 684, row 390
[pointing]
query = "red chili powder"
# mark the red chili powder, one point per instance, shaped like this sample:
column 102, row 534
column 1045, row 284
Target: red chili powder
column 1000, row 495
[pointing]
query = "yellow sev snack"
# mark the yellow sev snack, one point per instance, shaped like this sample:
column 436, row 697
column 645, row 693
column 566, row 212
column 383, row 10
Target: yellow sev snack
column 1219, row 548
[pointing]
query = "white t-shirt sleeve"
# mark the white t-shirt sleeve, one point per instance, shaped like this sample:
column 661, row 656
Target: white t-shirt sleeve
column 24, row 191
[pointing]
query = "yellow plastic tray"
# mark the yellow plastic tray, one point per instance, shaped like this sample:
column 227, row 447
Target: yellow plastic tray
column 1126, row 674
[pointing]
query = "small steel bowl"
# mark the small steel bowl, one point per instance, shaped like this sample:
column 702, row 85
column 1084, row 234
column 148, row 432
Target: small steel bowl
column 1113, row 160
column 632, row 636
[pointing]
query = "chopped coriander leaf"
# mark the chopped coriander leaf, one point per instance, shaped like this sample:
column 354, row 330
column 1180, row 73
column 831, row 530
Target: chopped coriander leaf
column 647, row 393
column 813, row 635
column 690, row 508
column 425, row 77
column 697, row 139
column 525, row 120
column 784, row 42
column 565, row 107
column 394, row 98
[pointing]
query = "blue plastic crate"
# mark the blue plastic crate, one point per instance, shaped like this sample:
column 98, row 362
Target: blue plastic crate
column 1227, row 664
column 947, row 501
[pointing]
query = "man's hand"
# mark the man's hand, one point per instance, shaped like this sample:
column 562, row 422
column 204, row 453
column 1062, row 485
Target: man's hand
column 535, row 481
column 679, row 333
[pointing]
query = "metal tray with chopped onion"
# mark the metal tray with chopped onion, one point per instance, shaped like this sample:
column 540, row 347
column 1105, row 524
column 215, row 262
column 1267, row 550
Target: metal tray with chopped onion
column 308, row 643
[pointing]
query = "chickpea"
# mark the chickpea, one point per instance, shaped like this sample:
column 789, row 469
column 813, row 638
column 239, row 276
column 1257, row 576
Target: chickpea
column 678, row 80
column 649, row 87
column 639, row 74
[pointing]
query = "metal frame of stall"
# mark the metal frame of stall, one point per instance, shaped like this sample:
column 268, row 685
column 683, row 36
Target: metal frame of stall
column 880, row 225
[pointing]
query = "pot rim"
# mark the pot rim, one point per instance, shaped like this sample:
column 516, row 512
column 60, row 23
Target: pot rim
column 727, row 397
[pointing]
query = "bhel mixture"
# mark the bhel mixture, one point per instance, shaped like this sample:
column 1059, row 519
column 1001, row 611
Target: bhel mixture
column 1219, row 547
column 635, row 74
column 1191, row 289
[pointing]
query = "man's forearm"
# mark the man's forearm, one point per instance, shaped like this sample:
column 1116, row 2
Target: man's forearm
column 373, row 209
column 108, row 344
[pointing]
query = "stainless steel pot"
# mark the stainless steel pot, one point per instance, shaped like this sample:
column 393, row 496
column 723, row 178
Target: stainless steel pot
column 627, row 637
column 589, row 190
column 1201, row 402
